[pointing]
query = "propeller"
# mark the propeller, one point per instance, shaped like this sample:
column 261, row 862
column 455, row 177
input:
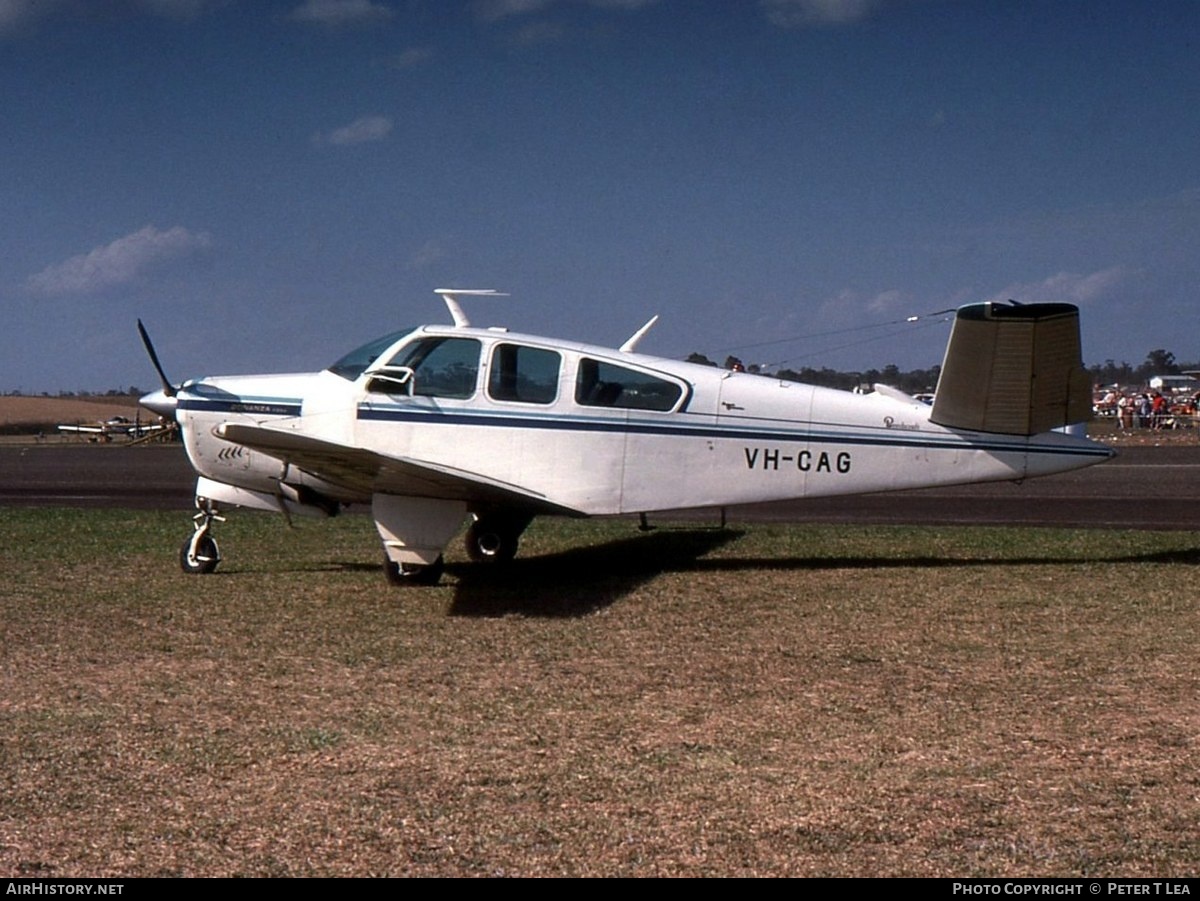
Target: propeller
column 167, row 388
column 163, row 401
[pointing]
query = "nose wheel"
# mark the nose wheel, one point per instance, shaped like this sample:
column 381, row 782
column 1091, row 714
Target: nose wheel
column 200, row 554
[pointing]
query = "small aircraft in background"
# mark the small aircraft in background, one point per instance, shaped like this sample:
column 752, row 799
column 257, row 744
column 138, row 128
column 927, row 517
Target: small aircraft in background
column 115, row 426
column 442, row 424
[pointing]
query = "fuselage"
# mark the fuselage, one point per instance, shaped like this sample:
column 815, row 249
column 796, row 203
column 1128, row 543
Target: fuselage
column 595, row 430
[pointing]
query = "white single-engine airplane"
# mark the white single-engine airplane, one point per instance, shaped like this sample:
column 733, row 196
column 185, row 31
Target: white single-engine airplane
column 116, row 425
column 441, row 423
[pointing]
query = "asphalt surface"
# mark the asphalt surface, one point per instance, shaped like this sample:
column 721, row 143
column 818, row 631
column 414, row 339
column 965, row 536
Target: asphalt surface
column 1142, row 488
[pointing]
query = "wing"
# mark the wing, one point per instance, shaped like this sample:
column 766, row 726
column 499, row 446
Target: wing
column 369, row 472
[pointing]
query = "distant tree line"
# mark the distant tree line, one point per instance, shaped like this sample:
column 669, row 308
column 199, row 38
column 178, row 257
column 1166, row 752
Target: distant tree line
column 132, row 391
column 1157, row 362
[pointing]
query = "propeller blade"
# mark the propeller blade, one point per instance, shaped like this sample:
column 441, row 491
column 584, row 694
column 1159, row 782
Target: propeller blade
column 168, row 389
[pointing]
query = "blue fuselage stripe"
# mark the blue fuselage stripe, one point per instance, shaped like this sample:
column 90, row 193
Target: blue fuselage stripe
column 266, row 406
column 259, row 406
column 736, row 432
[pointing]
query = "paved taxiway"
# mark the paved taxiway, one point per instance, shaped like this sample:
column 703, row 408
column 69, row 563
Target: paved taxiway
column 1144, row 487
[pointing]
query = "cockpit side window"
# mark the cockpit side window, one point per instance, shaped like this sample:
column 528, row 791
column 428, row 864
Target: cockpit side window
column 441, row 367
column 600, row 384
column 524, row 374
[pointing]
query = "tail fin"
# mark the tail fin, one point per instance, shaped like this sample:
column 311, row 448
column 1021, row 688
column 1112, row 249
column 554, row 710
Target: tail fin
column 1013, row 369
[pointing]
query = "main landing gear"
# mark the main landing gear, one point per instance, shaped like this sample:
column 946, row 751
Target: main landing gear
column 199, row 554
column 413, row 573
column 493, row 538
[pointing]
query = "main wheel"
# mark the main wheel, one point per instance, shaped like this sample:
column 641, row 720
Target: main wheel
column 493, row 539
column 414, row 573
column 204, row 560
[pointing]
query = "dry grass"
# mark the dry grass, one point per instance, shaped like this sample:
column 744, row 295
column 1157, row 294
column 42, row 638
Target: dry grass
column 27, row 415
column 800, row 701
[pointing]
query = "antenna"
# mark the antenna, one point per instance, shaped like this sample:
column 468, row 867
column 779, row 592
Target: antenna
column 451, row 295
column 628, row 346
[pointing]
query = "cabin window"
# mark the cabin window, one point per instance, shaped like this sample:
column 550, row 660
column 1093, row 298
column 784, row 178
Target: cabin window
column 601, row 384
column 524, row 374
column 441, row 367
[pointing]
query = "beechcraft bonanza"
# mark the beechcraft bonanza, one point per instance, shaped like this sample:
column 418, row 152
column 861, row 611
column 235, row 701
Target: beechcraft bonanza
column 442, row 425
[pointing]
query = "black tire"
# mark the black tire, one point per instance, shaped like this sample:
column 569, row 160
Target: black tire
column 413, row 573
column 493, row 539
column 206, row 559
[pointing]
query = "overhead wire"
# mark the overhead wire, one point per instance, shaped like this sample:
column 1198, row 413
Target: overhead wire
column 926, row 320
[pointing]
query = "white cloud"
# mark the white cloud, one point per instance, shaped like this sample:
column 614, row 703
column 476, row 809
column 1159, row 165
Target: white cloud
column 533, row 33
column 360, row 131
column 802, row 13
column 180, row 9
column 15, row 14
column 122, row 262
column 432, row 251
column 849, row 306
column 340, row 12
column 889, row 302
column 493, row 10
column 411, row 58
column 1070, row 287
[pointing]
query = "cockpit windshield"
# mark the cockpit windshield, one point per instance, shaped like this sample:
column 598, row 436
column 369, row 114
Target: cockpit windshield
column 355, row 363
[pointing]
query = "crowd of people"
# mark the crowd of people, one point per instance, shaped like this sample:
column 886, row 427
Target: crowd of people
column 1147, row 408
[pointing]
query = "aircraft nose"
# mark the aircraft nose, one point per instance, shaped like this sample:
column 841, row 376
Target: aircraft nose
column 159, row 402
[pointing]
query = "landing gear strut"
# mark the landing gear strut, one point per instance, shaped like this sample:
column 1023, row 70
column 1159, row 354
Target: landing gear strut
column 199, row 554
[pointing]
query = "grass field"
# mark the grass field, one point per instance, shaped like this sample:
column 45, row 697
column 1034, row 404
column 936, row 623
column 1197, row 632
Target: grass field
column 773, row 700
column 28, row 415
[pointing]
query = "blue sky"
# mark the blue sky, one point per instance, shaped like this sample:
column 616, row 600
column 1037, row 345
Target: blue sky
column 268, row 184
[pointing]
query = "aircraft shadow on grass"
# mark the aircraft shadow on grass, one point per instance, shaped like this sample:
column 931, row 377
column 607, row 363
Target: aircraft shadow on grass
column 582, row 580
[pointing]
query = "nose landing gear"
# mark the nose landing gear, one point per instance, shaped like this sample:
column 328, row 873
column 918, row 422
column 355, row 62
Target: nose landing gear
column 199, row 554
